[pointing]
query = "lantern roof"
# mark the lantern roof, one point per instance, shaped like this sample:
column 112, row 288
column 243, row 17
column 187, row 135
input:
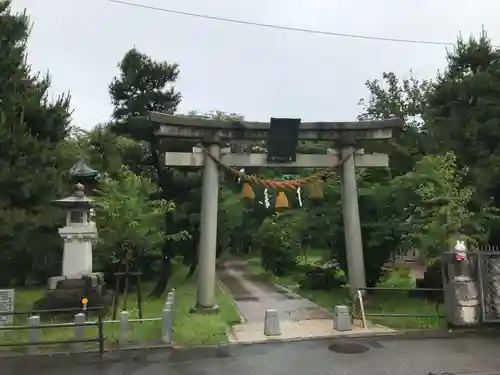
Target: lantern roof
column 81, row 169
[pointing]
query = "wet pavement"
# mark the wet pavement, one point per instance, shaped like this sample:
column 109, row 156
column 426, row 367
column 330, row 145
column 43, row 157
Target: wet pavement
column 253, row 296
column 383, row 356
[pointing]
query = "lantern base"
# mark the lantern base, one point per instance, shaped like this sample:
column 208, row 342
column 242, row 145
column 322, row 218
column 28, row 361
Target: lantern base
column 67, row 293
column 97, row 279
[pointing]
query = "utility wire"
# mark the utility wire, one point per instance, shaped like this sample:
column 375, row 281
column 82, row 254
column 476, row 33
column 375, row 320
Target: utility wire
column 279, row 27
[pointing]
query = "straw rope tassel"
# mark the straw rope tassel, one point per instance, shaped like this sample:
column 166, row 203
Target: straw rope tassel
column 316, row 192
column 281, row 201
column 248, row 192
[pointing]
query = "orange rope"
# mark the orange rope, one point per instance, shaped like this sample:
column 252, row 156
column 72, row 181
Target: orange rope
column 276, row 184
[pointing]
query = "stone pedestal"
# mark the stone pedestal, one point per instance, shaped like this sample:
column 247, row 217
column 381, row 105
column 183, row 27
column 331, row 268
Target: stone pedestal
column 64, row 294
column 77, row 256
column 96, row 279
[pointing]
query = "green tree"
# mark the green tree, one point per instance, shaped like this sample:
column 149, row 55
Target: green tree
column 33, row 156
column 457, row 111
column 463, row 115
column 441, row 205
column 278, row 242
column 131, row 224
column 106, row 151
column 405, row 99
column 146, row 85
column 382, row 216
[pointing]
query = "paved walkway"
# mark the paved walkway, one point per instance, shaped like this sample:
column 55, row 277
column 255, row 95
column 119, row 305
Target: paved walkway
column 299, row 317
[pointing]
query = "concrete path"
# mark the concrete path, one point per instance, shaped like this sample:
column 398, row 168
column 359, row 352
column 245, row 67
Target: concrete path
column 253, row 296
column 299, row 317
column 385, row 356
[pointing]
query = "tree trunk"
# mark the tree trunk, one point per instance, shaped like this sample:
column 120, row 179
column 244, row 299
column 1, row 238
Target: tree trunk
column 193, row 256
column 164, row 178
column 165, row 273
column 192, row 269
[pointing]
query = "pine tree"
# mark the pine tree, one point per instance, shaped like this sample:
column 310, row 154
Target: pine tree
column 463, row 116
column 32, row 131
column 146, row 85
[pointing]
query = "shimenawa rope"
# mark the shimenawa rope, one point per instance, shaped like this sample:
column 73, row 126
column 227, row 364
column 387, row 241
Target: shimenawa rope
column 277, row 184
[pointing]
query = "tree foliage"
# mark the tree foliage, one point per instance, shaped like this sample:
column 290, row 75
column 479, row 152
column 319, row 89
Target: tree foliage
column 33, row 156
column 278, row 242
column 131, row 224
column 440, row 204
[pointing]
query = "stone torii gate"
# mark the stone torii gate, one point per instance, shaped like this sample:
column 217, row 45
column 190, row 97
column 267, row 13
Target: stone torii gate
column 212, row 133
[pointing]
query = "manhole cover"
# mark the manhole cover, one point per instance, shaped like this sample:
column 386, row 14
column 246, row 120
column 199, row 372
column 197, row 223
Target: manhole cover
column 348, row 348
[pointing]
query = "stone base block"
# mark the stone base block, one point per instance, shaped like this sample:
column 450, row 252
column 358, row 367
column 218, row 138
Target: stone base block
column 67, row 294
column 97, row 279
column 205, row 309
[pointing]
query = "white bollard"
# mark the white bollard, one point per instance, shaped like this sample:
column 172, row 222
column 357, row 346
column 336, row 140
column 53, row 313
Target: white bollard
column 123, row 334
column 173, row 307
column 341, row 318
column 168, row 300
column 79, row 331
column 167, row 323
column 272, row 323
column 34, row 334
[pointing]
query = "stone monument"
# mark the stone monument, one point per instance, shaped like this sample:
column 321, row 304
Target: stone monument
column 78, row 279
column 7, row 303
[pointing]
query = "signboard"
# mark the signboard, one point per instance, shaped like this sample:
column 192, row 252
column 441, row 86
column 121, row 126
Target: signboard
column 6, row 306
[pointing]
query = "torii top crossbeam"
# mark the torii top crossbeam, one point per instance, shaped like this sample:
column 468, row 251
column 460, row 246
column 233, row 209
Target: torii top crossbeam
column 172, row 126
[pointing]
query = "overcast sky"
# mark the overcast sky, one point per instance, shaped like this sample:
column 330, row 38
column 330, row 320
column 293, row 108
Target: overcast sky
column 253, row 71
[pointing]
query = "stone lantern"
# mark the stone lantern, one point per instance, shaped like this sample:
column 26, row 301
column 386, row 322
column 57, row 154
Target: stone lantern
column 79, row 234
column 78, row 280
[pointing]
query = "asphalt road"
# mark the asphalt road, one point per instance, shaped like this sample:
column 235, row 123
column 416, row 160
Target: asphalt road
column 467, row 355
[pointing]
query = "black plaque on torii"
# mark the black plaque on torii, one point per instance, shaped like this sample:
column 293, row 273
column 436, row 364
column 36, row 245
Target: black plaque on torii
column 282, row 140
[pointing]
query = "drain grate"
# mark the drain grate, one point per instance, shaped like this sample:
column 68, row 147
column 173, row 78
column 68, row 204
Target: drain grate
column 348, row 348
column 244, row 298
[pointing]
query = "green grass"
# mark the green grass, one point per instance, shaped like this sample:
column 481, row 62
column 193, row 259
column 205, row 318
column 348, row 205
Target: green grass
column 188, row 328
column 377, row 302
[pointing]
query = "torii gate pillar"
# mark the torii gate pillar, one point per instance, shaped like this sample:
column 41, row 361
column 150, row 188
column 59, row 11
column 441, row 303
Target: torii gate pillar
column 350, row 213
column 208, row 232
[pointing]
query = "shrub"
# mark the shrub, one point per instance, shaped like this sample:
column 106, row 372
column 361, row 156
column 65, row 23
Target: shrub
column 278, row 245
column 432, row 279
column 322, row 278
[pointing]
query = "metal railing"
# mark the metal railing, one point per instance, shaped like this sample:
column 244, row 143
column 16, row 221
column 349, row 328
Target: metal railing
column 33, row 326
column 359, row 299
column 167, row 320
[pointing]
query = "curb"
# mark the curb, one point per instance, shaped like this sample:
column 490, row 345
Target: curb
column 224, row 290
column 395, row 335
column 107, row 351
